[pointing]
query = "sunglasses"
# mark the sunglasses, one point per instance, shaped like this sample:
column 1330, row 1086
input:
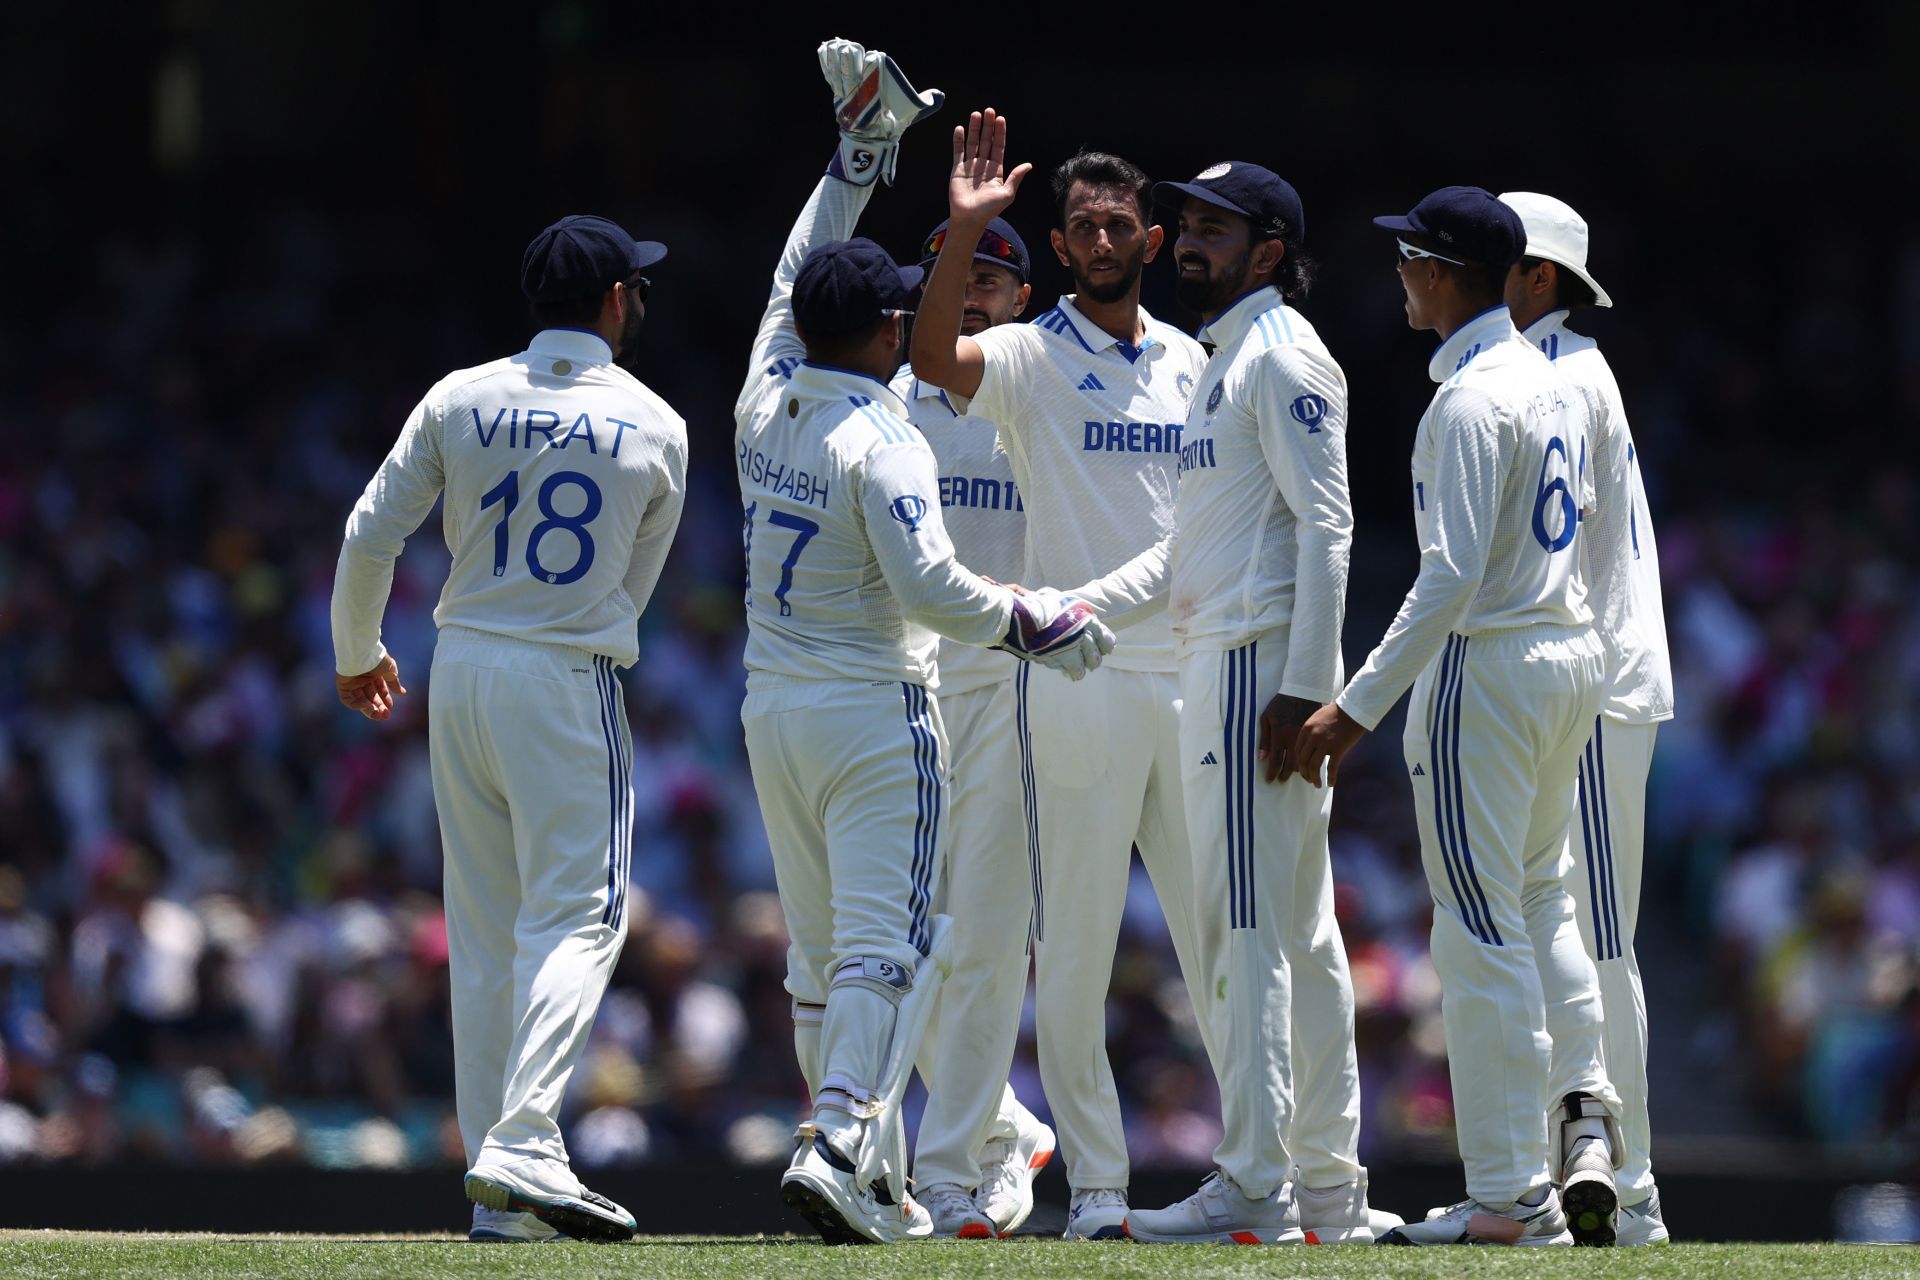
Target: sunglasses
column 1408, row 253
column 992, row 244
column 639, row 287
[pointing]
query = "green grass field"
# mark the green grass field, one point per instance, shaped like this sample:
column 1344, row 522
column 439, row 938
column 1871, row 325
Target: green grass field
column 33, row 1255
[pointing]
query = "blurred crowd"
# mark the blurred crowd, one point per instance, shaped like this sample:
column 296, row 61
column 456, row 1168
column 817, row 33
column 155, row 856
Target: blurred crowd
column 220, row 930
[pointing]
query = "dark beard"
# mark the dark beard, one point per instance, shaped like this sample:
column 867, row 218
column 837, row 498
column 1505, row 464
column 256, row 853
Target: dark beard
column 629, row 355
column 1210, row 294
column 1115, row 291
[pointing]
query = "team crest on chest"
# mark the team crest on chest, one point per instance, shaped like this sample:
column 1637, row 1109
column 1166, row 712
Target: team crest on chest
column 1183, row 383
column 1213, row 401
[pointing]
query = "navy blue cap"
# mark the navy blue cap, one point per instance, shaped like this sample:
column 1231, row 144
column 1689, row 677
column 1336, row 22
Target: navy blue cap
column 1470, row 222
column 581, row 255
column 847, row 284
column 1259, row 195
column 1001, row 245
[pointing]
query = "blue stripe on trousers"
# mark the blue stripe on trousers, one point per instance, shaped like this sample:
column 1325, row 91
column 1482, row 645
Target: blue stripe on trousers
column 1460, row 804
column 926, row 828
column 1037, row 920
column 613, row 796
column 1606, row 841
column 1443, row 815
column 1590, row 848
column 1230, row 761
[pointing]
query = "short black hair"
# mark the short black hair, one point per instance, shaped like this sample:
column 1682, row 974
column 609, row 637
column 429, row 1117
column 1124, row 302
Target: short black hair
column 1101, row 169
column 836, row 349
column 569, row 313
column 1569, row 290
column 1481, row 281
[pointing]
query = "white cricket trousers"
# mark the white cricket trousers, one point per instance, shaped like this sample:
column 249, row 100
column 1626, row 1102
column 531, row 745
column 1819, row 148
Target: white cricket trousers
column 1283, row 1018
column 852, row 781
column 532, row 776
column 1101, row 774
column 988, row 892
column 1494, row 734
column 1609, row 852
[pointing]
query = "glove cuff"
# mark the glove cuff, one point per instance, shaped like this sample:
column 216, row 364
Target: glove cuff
column 858, row 161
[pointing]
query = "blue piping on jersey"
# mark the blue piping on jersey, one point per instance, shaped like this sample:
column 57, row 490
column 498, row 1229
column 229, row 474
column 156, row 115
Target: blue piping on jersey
column 1468, row 324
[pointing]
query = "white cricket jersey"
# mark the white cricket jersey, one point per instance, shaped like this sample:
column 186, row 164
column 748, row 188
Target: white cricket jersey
column 1499, row 481
column 1622, row 561
column 849, row 569
column 981, row 506
column 1265, row 522
column 1092, row 427
column 564, row 477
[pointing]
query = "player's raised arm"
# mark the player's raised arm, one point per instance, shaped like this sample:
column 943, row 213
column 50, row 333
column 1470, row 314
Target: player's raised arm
column 979, row 189
column 873, row 104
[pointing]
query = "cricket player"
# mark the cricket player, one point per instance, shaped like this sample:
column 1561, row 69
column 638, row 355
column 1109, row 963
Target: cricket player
column 850, row 574
column 979, row 1148
column 563, row 477
column 1258, row 579
column 1497, row 640
column 1623, row 589
column 1090, row 400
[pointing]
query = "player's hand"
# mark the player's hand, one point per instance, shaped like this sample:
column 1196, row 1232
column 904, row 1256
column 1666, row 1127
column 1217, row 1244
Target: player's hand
column 1057, row 631
column 1279, row 726
column 373, row 693
column 979, row 189
column 1323, row 741
column 873, row 104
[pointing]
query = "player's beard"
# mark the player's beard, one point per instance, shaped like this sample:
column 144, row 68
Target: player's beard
column 1210, row 293
column 629, row 356
column 1114, row 289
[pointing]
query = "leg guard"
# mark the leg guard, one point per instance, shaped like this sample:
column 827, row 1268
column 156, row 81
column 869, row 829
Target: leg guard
column 1580, row 1116
column 806, row 1041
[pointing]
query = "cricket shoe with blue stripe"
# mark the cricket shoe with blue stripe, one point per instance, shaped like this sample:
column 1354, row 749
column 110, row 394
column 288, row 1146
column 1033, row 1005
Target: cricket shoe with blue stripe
column 509, row 1228
column 1099, row 1213
column 529, row 1186
column 1471, row 1222
column 1220, row 1213
column 819, row 1186
column 1641, row 1224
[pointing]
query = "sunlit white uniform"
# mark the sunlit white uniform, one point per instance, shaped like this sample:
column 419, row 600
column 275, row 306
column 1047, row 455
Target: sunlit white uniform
column 1257, row 590
column 987, row 888
column 1497, row 640
column 1623, row 586
column 1092, row 428
column 564, row 479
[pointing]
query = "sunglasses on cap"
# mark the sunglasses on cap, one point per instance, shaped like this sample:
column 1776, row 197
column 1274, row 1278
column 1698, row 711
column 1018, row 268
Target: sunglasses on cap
column 1408, row 253
column 992, row 244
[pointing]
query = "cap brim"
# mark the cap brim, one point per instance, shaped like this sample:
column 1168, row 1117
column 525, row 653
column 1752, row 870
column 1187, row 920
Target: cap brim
column 926, row 264
column 1162, row 194
column 1397, row 222
column 1600, row 298
column 910, row 277
column 647, row 252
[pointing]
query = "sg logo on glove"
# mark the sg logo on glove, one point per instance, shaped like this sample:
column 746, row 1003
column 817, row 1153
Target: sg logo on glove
column 909, row 511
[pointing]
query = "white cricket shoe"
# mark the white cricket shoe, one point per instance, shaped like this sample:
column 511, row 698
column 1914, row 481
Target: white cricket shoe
column 819, row 1186
column 1219, row 1213
column 1588, row 1194
column 548, row 1190
column 1098, row 1214
column 509, row 1228
column 1007, row 1170
column 1341, row 1214
column 954, row 1211
column 1641, row 1224
column 1471, row 1222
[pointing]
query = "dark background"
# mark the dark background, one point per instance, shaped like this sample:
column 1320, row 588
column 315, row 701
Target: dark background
column 245, row 238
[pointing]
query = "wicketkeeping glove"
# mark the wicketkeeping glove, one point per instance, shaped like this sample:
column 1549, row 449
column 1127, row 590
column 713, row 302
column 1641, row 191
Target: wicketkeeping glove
column 1057, row 631
column 873, row 104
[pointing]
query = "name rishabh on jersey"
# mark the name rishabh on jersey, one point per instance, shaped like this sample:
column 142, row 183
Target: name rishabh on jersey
column 1265, row 521
column 1506, row 436
column 564, row 477
column 984, row 514
column 1622, row 557
column 1092, row 428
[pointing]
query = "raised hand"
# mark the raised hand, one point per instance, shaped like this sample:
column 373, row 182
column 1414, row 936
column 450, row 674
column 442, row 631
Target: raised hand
column 979, row 189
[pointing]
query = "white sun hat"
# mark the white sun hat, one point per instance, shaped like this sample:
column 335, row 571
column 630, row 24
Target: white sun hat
column 1558, row 234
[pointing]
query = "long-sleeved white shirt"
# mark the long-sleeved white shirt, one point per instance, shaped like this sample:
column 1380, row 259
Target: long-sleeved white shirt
column 850, row 573
column 1622, row 559
column 1499, row 481
column 1265, row 522
column 564, row 478
column 981, row 506
column 1092, row 428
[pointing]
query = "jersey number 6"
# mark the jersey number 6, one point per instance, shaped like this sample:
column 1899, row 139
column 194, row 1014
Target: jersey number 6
column 507, row 494
column 1569, row 512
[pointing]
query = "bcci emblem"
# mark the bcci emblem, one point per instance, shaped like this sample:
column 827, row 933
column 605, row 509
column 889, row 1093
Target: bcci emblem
column 1184, row 385
column 1309, row 409
column 1213, row 401
column 909, row 510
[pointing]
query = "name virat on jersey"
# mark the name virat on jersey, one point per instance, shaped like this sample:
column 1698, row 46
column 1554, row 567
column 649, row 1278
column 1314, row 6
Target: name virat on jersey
column 545, row 423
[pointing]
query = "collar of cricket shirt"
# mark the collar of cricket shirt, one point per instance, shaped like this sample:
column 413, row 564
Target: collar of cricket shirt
column 582, row 345
column 857, row 388
column 1491, row 326
column 1226, row 330
column 927, row 391
column 1066, row 319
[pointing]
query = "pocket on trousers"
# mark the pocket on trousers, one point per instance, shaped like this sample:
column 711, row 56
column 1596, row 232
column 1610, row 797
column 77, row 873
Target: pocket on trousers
column 1068, row 724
